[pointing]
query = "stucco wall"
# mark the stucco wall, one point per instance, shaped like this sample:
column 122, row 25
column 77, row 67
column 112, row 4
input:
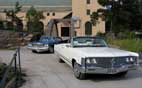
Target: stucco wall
column 2, row 16
column 22, row 15
column 79, row 8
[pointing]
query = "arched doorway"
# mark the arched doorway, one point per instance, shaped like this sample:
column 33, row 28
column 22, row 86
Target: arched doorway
column 88, row 28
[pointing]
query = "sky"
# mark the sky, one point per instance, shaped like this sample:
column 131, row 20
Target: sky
column 37, row 2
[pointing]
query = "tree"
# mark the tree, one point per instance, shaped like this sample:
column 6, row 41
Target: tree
column 34, row 24
column 16, row 21
column 122, row 15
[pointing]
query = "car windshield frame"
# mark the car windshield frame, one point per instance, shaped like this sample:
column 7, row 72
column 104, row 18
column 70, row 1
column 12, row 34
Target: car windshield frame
column 88, row 42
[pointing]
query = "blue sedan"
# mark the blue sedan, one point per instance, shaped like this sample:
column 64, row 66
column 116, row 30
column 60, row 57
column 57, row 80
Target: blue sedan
column 44, row 44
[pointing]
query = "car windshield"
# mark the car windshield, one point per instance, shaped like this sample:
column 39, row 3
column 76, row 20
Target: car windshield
column 88, row 42
column 57, row 39
column 44, row 39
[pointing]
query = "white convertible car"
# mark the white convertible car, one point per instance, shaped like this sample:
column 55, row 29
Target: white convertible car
column 91, row 55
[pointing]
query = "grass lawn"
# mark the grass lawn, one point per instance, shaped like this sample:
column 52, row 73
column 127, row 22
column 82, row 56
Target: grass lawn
column 127, row 44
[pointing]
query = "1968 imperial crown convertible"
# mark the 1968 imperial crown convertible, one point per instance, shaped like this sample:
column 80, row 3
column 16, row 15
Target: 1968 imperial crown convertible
column 91, row 55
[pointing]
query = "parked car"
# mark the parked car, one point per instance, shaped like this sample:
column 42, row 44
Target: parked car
column 92, row 55
column 44, row 44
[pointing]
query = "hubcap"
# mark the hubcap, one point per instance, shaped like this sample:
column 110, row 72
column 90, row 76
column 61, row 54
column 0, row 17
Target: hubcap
column 51, row 49
column 76, row 70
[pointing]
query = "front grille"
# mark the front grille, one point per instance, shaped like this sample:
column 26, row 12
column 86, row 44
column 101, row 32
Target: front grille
column 37, row 45
column 104, row 62
column 113, row 62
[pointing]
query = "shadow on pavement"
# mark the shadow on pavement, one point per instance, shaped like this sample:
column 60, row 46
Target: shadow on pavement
column 105, row 77
column 46, row 52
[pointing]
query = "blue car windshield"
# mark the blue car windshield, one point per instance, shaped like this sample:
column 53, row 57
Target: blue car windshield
column 44, row 40
column 88, row 42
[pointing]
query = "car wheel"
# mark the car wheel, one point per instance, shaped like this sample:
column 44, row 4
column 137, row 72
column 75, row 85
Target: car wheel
column 60, row 60
column 77, row 73
column 51, row 49
column 122, row 74
column 34, row 51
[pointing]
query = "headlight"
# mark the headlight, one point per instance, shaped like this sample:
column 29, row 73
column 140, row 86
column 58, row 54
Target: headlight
column 29, row 45
column 88, row 61
column 127, row 60
column 131, row 59
column 94, row 61
column 91, row 61
column 46, row 45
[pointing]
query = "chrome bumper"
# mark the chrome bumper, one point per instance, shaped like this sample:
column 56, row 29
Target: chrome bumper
column 99, row 70
column 39, row 49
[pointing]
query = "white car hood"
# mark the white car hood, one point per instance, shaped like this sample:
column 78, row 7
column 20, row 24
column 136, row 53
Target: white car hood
column 103, row 52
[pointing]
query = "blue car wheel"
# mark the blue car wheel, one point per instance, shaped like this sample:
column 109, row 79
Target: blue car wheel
column 51, row 49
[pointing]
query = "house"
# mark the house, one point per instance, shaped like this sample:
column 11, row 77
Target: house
column 62, row 9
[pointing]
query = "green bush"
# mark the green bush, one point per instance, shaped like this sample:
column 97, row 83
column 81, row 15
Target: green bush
column 125, row 35
column 11, row 74
column 101, row 34
column 35, row 27
column 3, row 68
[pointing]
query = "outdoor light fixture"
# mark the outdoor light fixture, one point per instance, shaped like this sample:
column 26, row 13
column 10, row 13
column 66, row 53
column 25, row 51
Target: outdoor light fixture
column 110, row 6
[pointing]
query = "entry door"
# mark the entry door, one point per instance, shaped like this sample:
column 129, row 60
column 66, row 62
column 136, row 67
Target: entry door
column 65, row 32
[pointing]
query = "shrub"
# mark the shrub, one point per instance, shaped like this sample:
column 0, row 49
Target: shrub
column 125, row 35
column 10, row 76
column 100, row 34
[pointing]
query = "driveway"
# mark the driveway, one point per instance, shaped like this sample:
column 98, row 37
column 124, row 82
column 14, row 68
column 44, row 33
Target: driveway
column 44, row 71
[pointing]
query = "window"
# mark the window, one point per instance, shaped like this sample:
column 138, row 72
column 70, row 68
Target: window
column 48, row 14
column 88, row 1
column 88, row 11
column 88, row 28
column 53, row 14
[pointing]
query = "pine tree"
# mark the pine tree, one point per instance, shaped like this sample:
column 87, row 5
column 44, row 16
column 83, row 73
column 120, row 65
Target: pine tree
column 34, row 24
column 15, row 20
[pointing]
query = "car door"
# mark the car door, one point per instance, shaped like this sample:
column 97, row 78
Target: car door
column 67, row 52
